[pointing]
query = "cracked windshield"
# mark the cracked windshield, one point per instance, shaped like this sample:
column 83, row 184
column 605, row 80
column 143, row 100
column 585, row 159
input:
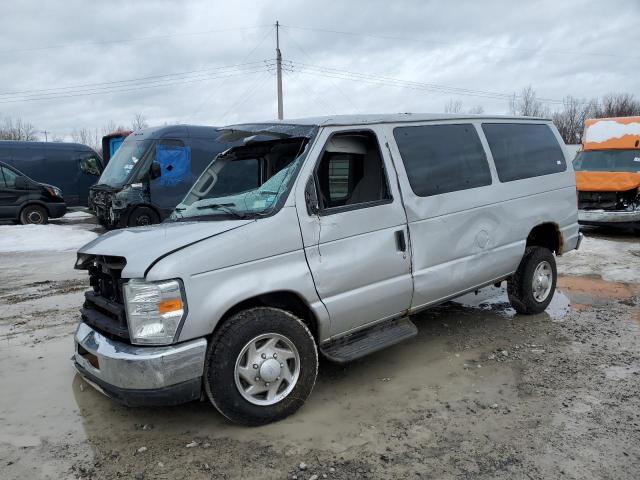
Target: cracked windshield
column 245, row 181
column 119, row 167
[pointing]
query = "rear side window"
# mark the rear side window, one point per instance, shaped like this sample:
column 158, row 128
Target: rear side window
column 523, row 150
column 442, row 158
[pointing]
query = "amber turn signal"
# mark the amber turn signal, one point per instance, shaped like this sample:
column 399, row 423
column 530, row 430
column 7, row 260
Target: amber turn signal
column 168, row 306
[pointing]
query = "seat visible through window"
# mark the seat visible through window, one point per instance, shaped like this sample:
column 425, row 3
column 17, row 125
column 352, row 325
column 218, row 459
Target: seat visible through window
column 351, row 171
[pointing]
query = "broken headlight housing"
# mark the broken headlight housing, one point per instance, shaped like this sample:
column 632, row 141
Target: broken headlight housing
column 155, row 310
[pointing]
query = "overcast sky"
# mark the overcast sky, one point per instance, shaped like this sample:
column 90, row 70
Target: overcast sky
column 93, row 62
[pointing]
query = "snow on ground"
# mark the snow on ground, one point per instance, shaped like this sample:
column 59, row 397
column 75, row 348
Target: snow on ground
column 78, row 214
column 28, row 238
column 614, row 261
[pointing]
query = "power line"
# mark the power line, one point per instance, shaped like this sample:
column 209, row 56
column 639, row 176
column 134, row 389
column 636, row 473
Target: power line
column 246, row 57
column 135, row 88
column 323, row 105
column 389, row 81
column 483, row 47
column 130, row 80
column 246, row 95
column 133, row 39
column 336, row 86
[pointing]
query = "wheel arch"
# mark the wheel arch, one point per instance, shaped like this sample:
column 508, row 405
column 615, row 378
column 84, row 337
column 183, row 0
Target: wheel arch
column 287, row 300
column 548, row 235
column 132, row 208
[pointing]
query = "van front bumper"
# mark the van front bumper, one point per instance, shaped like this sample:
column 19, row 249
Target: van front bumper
column 140, row 375
column 57, row 210
column 603, row 217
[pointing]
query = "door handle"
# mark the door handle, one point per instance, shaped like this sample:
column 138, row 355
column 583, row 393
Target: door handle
column 401, row 242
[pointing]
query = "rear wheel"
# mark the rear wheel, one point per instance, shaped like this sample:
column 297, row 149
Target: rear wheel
column 532, row 287
column 261, row 366
column 34, row 215
column 142, row 216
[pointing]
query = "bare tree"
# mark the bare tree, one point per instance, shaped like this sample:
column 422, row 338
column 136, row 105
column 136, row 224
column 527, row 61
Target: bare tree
column 570, row 120
column 618, row 105
column 112, row 127
column 18, row 130
column 527, row 104
column 453, row 106
column 477, row 110
column 139, row 122
column 87, row 137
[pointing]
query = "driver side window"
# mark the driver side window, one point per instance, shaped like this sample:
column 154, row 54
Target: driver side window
column 8, row 178
column 351, row 173
column 90, row 166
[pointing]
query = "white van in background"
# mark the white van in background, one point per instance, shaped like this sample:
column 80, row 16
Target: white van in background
column 352, row 224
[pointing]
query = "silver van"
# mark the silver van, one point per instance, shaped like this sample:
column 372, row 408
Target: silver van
column 321, row 236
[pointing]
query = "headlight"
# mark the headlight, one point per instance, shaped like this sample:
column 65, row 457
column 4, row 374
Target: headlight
column 54, row 192
column 154, row 310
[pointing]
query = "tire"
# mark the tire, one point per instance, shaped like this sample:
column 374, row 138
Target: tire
column 142, row 216
column 228, row 356
column 34, row 215
column 538, row 262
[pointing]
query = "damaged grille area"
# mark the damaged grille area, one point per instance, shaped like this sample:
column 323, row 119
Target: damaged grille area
column 627, row 200
column 103, row 307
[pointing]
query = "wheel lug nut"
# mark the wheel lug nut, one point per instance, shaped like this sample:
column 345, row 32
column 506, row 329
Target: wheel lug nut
column 275, row 355
column 266, row 384
column 257, row 379
column 255, row 365
column 264, row 355
column 282, row 364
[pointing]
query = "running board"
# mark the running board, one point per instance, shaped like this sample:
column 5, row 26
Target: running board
column 369, row 340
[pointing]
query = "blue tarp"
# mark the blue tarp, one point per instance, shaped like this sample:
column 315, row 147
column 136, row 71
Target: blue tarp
column 175, row 164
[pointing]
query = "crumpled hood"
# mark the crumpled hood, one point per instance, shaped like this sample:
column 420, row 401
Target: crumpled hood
column 143, row 246
column 607, row 181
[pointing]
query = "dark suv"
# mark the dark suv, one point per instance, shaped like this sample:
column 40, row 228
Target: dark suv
column 27, row 201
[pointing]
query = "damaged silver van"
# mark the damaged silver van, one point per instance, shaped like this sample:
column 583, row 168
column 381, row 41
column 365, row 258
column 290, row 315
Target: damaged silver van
column 346, row 227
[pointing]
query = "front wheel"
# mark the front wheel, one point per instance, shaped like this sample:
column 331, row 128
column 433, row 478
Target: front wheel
column 261, row 366
column 142, row 216
column 34, row 215
column 531, row 288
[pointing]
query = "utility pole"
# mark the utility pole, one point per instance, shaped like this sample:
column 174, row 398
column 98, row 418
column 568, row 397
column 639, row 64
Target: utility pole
column 45, row 135
column 279, row 71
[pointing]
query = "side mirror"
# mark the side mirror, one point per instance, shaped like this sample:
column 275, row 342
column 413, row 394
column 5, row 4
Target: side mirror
column 22, row 183
column 155, row 171
column 311, row 197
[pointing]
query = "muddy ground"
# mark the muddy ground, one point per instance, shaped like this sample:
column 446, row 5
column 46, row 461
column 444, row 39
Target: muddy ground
column 479, row 393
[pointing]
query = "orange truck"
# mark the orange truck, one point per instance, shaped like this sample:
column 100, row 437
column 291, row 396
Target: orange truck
column 608, row 172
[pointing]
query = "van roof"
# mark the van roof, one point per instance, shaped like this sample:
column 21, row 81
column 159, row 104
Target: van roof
column 368, row 119
column 44, row 145
column 179, row 130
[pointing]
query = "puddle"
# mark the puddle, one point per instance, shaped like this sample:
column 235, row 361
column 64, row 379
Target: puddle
column 496, row 300
column 621, row 373
column 45, row 401
column 36, row 402
column 587, row 292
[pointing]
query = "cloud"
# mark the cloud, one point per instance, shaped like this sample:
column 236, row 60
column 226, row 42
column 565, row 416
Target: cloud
column 559, row 48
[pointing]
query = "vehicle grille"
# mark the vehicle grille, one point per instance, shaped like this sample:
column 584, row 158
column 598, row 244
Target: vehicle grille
column 103, row 307
column 99, row 197
column 607, row 200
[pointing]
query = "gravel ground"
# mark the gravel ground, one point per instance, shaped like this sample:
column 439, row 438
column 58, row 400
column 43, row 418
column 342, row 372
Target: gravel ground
column 479, row 393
